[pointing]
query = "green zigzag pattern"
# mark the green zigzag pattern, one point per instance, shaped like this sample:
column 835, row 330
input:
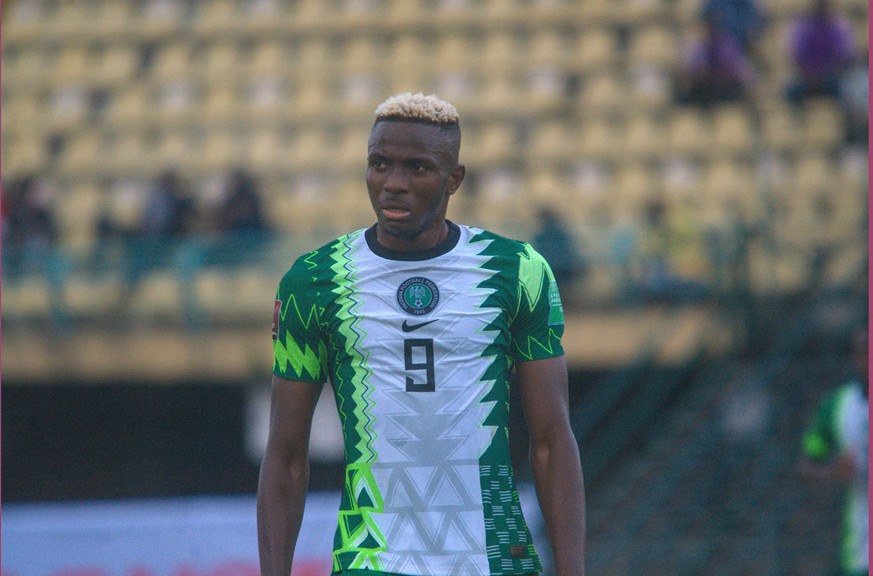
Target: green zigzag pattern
column 358, row 536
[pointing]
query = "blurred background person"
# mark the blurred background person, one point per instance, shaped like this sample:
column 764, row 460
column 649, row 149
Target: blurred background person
column 714, row 67
column 835, row 449
column 822, row 49
column 554, row 241
column 743, row 20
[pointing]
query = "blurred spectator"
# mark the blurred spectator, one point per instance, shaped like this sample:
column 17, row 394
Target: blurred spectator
column 714, row 68
column 169, row 215
column 835, row 449
column 855, row 98
column 169, row 211
column 742, row 20
column 29, row 226
column 822, row 49
column 555, row 243
column 240, row 209
column 654, row 278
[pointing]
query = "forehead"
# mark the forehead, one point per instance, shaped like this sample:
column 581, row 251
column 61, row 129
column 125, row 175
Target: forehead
column 401, row 136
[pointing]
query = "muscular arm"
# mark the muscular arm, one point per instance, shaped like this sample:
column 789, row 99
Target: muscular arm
column 554, row 458
column 284, row 474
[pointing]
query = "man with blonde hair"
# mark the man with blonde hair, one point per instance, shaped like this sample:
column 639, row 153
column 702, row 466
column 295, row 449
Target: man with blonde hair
column 417, row 322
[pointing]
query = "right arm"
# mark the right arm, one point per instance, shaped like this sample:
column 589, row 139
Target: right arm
column 284, row 476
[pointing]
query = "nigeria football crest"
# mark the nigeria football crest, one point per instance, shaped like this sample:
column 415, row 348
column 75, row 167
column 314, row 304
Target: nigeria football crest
column 418, row 296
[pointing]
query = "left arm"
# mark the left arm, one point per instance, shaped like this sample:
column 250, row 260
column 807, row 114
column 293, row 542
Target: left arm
column 554, row 457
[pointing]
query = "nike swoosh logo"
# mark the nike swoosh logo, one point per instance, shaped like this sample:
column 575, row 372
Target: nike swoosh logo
column 407, row 327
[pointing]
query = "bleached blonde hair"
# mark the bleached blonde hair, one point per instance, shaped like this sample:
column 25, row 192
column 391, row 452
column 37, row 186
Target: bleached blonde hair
column 418, row 107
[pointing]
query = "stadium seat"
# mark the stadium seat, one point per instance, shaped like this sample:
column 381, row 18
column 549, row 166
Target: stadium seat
column 823, row 124
column 636, row 184
column 653, row 45
column 220, row 62
column 172, row 61
column 130, row 107
column 82, row 154
column 553, row 141
column 780, row 128
column 23, row 155
column 82, row 205
column 25, row 65
column 643, row 137
column 603, row 93
column 596, row 50
column 71, row 65
column 115, row 66
column 161, row 17
column 600, row 139
column 732, row 131
column 217, row 16
column 222, row 103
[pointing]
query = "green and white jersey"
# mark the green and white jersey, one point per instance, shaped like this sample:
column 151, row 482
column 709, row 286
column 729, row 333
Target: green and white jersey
column 841, row 426
column 419, row 350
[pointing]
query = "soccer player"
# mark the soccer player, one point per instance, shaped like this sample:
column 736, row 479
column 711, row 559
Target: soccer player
column 836, row 449
column 417, row 322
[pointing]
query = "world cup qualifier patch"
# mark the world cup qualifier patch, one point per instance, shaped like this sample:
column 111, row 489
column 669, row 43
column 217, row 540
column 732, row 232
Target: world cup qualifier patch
column 418, row 296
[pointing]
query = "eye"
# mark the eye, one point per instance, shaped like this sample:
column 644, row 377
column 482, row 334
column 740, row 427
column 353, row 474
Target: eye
column 378, row 163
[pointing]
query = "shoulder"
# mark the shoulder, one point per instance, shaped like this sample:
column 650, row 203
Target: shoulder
column 498, row 245
column 317, row 265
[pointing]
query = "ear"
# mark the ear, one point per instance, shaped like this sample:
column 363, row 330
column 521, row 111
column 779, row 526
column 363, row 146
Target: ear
column 455, row 179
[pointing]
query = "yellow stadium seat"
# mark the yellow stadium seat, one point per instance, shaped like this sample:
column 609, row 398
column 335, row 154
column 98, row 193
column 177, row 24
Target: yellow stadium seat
column 270, row 57
column 23, row 155
column 25, row 65
column 643, row 137
column 492, row 144
column 112, row 17
column 82, row 154
column 221, row 61
column 216, row 16
column 603, row 93
column 732, row 130
column 78, row 211
column 780, row 128
column 115, row 65
column 636, row 184
column 554, row 140
column 268, row 150
column 221, row 150
column 596, row 49
column 823, row 124
column 129, row 107
column 222, row 104
column 71, row 65
column 160, row 17
column 173, row 60
column 600, row 139
column 655, row 45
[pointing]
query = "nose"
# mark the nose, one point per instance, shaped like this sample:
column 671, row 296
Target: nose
column 396, row 180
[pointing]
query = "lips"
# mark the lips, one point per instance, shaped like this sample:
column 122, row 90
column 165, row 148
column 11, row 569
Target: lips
column 394, row 211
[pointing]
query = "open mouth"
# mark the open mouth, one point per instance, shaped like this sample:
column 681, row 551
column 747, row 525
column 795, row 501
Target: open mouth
column 394, row 212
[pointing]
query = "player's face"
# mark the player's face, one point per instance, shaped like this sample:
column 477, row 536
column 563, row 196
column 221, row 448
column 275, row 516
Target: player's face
column 411, row 172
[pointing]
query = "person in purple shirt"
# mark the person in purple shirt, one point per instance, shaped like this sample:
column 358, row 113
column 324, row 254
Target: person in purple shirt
column 714, row 68
column 822, row 48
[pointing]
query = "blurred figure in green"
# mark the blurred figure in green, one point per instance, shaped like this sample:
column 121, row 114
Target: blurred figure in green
column 835, row 449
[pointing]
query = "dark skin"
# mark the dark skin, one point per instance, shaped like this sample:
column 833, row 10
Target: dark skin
column 412, row 170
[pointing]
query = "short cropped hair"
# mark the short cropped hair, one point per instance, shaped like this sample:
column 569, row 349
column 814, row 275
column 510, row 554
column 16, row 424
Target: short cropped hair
column 432, row 110
column 418, row 108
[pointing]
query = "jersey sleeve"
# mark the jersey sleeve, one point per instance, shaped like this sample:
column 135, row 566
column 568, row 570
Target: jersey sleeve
column 299, row 347
column 539, row 320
